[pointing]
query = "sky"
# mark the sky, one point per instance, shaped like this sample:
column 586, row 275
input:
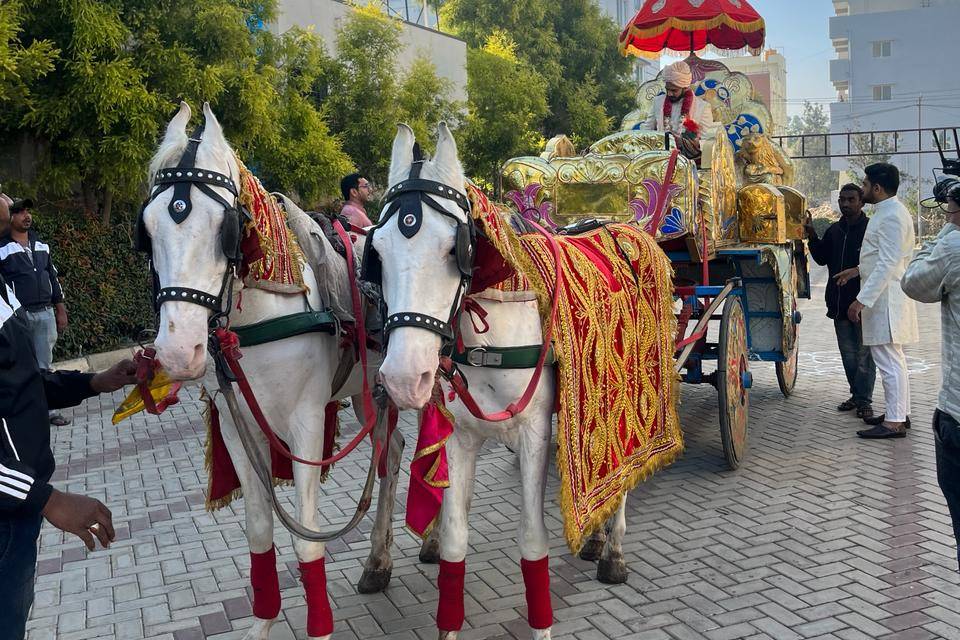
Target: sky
column 799, row 29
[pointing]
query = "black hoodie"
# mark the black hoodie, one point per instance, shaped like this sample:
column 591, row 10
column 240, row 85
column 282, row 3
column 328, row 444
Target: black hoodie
column 839, row 249
column 26, row 394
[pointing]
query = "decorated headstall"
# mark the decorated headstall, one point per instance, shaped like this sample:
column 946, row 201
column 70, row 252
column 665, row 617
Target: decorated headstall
column 183, row 178
column 405, row 201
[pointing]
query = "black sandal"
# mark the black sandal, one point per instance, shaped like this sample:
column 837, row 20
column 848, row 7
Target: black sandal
column 847, row 405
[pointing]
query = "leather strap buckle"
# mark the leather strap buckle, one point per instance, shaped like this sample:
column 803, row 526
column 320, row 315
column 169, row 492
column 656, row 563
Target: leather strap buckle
column 479, row 357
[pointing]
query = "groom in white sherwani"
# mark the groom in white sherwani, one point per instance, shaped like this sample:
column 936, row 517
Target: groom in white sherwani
column 888, row 316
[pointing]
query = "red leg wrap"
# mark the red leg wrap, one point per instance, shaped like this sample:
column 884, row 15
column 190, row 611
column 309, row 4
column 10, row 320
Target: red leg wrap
column 319, row 616
column 450, row 585
column 265, row 583
column 536, row 579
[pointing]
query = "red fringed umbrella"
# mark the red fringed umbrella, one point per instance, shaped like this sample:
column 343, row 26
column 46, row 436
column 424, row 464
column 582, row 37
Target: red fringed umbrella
column 693, row 25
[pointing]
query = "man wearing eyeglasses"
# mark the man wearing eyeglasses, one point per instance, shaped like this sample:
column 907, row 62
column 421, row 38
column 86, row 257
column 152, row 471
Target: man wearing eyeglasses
column 357, row 192
column 934, row 276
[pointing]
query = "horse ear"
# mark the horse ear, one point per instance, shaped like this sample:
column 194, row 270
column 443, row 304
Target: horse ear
column 402, row 156
column 447, row 159
column 177, row 129
column 212, row 131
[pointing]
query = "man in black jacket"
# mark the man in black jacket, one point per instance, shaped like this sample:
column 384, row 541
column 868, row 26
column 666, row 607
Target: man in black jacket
column 26, row 461
column 839, row 249
column 27, row 266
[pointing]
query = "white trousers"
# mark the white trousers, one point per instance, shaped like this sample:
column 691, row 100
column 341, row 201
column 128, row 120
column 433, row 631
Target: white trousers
column 896, row 385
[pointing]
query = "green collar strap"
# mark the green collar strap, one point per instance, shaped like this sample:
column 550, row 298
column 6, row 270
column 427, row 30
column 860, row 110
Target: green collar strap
column 285, row 327
column 525, row 357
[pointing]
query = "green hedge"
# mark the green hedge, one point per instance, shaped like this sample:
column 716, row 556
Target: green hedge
column 106, row 283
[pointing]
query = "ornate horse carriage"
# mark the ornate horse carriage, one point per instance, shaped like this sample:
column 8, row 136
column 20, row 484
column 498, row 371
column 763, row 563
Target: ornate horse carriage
column 731, row 226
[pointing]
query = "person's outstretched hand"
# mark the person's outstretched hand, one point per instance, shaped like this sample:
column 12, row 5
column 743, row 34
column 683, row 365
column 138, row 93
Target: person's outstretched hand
column 82, row 516
column 120, row 374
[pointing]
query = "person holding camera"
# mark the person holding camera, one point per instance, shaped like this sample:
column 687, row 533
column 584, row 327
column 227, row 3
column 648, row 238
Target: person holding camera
column 934, row 276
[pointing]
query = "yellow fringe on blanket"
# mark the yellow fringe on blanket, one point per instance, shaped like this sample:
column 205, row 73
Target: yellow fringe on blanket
column 617, row 387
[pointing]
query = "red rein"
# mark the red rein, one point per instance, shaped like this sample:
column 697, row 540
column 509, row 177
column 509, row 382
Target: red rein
column 230, row 346
column 459, row 383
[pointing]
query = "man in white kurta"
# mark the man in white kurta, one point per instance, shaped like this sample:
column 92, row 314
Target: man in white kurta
column 889, row 317
column 683, row 107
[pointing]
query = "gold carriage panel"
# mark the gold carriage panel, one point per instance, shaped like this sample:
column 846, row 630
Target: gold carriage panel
column 620, row 187
column 608, row 201
column 760, row 208
column 795, row 206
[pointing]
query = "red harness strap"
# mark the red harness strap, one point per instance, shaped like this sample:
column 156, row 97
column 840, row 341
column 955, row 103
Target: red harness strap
column 147, row 366
column 230, row 347
column 459, row 383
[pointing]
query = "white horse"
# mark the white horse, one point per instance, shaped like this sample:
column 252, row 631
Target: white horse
column 420, row 275
column 291, row 378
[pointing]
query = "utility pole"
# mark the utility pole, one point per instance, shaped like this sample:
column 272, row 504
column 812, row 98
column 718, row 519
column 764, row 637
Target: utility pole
column 919, row 161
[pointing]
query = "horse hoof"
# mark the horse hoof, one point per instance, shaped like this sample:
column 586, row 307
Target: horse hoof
column 430, row 551
column 591, row 550
column 374, row 580
column 612, row 571
column 260, row 629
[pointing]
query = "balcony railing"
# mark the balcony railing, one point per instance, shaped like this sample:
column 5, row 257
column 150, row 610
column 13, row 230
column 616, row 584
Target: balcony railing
column 421, row 12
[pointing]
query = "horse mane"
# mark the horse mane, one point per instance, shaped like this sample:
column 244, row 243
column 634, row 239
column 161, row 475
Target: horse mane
column 330, row 271
column 167, row 154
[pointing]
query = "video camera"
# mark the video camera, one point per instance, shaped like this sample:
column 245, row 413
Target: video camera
column 944, row 184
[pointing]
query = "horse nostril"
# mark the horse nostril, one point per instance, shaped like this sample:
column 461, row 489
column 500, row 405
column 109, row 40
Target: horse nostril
column 198, row 352
column 424, row 383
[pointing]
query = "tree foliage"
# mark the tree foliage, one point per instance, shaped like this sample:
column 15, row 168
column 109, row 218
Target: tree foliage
column 814, row 177
column 366, row 95
column 506, row 101
column 121, row 66
column 571, row 45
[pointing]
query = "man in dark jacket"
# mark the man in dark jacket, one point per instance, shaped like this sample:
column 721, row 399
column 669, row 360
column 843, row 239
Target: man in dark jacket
column 27, row 266
column 839, row 249
column 26, row 461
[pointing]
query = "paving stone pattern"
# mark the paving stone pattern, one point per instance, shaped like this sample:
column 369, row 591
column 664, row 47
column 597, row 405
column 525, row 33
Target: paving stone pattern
column 818, row 535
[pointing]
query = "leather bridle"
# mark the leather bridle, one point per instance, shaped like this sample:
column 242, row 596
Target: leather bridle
column 405, row 201
column 182, row 179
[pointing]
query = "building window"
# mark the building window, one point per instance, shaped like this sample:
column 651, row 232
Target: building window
column 881, row 48
column 882, row 91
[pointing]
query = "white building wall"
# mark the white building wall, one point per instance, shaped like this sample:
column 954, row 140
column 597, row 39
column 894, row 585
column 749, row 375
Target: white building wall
column 448, row 54
column 921, row 71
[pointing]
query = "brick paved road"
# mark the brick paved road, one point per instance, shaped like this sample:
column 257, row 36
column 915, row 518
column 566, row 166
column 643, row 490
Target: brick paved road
column 819, row 535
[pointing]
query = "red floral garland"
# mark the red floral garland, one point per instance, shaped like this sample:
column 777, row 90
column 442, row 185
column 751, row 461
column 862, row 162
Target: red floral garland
column 689, row 123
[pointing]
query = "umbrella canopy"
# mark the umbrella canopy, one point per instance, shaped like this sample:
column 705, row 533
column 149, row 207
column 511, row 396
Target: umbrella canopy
column 693, row 25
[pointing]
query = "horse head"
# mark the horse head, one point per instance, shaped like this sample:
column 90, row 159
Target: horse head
column 424, row 248
column 189, row 220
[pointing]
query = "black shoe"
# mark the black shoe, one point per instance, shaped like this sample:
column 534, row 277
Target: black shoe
column 865, row 412
column 880, row 419
column 881, row 432
column 847, row 405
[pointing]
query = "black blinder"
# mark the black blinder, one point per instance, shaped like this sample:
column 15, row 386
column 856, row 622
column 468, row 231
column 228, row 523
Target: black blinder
column 141, row 239
column 230, row 232
column 371, row 269
column 463, row 249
